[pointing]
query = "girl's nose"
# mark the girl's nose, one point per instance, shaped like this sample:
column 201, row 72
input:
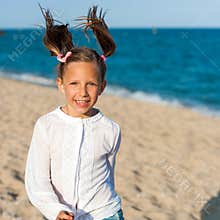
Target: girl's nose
column 83, row 91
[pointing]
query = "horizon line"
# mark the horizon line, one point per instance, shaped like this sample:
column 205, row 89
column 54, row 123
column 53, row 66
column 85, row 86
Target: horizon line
column 129, row 27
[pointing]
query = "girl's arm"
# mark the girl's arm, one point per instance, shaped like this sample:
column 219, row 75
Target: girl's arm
column 37, row 175
column 113, row 153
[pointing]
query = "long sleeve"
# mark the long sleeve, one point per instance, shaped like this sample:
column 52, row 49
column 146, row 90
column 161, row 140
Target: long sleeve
column 113, row 153
column 37, row 175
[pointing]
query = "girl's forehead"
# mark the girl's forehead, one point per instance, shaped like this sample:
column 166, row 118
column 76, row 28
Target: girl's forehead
column 78, row 67
column 82, row 70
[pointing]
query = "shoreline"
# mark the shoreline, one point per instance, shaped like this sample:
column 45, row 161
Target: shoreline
column 167, row 166
column 122, row 93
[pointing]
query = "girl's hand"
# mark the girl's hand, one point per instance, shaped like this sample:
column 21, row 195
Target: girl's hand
column 64, row 215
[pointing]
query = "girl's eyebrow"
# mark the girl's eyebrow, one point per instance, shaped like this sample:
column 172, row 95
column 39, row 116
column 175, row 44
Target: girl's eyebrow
column 89, row 81
column 94, row 81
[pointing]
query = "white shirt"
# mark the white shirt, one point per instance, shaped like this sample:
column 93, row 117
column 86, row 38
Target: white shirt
column 70, row 165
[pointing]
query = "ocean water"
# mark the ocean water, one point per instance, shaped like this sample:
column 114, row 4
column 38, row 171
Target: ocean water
column 171, row 66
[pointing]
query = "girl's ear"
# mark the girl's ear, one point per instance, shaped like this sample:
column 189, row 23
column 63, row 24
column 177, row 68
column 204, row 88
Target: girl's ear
column 60, row 84
column 102, row 87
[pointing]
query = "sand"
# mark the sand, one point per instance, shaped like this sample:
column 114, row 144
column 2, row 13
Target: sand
column 167, row 167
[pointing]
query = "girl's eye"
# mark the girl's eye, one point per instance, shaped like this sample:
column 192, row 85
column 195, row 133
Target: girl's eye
column 73, row 83
column 92, row 84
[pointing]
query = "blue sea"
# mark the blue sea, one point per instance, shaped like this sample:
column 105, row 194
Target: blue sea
column 171, row 66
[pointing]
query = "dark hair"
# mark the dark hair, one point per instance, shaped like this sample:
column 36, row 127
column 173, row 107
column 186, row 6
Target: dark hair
column 58, row 40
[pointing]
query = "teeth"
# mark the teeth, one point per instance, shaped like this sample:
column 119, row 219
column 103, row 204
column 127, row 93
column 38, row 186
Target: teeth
column 81, row 101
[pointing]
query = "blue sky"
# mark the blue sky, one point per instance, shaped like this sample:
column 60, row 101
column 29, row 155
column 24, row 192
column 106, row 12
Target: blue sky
column 121, row 13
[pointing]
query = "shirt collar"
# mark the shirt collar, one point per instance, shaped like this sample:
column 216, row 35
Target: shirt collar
column 69, row 118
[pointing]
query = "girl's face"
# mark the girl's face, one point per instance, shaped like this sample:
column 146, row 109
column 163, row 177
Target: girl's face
column 81, row 87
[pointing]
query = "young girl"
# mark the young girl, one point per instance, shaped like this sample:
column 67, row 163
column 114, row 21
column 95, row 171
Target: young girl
column 70, row 164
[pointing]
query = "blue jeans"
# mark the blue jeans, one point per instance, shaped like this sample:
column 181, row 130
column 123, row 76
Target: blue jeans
column 117, row 216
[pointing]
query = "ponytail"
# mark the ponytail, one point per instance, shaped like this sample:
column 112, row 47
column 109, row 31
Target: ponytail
column 57, row 39
column 100, row 29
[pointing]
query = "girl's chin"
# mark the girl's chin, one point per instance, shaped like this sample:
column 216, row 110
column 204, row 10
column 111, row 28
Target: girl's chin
column 85, row 110
column 83, row 105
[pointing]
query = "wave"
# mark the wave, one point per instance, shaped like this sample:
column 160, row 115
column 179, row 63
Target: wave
column 156, row 98
column 121, row 92
column 28, row 77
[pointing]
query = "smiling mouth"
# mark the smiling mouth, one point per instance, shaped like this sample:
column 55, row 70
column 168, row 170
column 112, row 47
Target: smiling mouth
column 82, row 103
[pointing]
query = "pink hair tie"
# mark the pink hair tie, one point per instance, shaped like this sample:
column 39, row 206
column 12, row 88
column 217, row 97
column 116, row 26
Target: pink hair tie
column 63, row 59
column 103, row 57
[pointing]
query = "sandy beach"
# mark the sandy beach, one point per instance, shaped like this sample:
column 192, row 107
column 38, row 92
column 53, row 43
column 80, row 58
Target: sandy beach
column 167, row 167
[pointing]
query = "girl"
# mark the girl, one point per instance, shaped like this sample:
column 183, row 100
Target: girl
column 70, row 164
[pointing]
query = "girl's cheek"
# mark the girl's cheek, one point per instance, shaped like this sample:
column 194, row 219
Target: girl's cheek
column 93, row 88
column 73, row 89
